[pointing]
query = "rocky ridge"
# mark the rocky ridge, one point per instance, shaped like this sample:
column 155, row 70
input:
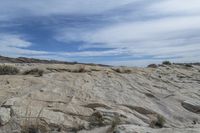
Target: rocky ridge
column 95, row 99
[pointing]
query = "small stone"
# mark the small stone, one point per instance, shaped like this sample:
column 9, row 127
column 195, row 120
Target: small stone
column 193, row 106
column 10, row 102
column 4, row 115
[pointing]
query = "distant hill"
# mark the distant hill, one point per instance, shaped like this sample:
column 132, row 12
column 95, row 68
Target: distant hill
column 4, row 59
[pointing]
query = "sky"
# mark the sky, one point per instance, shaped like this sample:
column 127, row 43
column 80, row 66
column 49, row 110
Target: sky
column 113, row 32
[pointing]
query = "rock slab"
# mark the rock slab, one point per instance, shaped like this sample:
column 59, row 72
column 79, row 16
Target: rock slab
column 4, row 115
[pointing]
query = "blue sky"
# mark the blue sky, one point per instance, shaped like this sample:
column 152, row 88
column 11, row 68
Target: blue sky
column 115, row 32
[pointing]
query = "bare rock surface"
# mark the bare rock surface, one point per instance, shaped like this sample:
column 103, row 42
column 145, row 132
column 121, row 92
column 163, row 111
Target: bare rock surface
column 192, row 105
column 4, row 115
column 91, row 99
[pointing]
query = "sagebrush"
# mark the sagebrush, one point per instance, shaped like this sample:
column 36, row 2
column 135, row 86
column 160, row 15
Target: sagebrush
column 34, row 71
column 8, row 70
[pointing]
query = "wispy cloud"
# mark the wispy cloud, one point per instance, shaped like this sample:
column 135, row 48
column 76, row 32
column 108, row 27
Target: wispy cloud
column 181, row 7
column 15, row 45
column 135, row 31
column 52, row 7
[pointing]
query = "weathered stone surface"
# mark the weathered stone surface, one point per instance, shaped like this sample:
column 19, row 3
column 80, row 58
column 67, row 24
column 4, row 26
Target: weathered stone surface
column 4, row 115
column 192, row 105
column 138, row 129
column 132, row 100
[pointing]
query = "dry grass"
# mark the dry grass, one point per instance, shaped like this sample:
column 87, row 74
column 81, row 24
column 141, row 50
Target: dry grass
column 115, row 122
column 35, row 71
column 96, row 120
column 34, row 124
column 8, row 70
column 166, row 63
column 159, row 122
column 122, row 70
column 152, row 66
column 80, row 69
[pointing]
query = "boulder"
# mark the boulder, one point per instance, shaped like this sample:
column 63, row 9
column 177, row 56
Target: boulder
column 4, row 115
column 192, row 106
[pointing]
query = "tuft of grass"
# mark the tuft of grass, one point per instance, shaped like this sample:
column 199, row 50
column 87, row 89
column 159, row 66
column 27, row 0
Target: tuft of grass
column 122, row 70
column 34, row 124
column 97, row 120
column 115, row 122
column 8, row 70
column 188, row 65
column 152, row 66
column 160, row 122
column 166, row 63
column 80, row 69
column 35, row 71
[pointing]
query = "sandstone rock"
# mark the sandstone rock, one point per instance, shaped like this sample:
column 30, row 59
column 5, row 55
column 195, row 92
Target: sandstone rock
column 192, row 105
column 69, row 100
column 138, row 129
column 31, row 112
column 10, row 102
column 4, row 115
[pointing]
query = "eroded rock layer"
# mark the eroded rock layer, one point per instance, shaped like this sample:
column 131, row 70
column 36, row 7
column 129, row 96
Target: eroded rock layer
column 95, row 99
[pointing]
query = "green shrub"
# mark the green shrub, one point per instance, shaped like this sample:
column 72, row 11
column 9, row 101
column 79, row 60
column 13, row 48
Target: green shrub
column 96, row 120
column 122, row 70
column 8, row 70
column 34, row 71
column 115, row 122
column 152, row 66
column 188, row 65
column 160, row 121
column 166, row 63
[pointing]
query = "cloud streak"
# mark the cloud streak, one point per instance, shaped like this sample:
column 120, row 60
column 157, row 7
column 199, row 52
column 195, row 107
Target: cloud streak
column 133, row 30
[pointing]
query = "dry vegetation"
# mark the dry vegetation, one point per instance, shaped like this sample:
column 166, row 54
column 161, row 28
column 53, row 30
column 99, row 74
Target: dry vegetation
column 8, row 70
column 122, row 70
column 35, row 71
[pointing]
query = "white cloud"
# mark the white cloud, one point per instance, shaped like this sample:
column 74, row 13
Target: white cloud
column 16, row 45
column 170, row 29
column 145, row 30
column 95, row 53
column 16, row 8
column 176, row 7
column 10, row 40
column 154, row 37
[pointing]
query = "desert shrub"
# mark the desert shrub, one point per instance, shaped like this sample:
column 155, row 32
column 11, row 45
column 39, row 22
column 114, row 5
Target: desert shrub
column 96, row 120
column 152, row 66
column 34, row 71
column 115, row 122
column 188, row 65
column 8, row 70
column 32, row 125
column 160, row 122
column 80, row 69
column 166, row 63
column 122, row 70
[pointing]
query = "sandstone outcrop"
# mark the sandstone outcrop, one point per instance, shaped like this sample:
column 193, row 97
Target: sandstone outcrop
column 98, row 99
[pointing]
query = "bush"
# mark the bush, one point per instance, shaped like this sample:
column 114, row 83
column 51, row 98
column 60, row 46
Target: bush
column 122, row 70
column 166, row 63
column 116, row 121
column 8, row 70
column 188, row 65
column 34, row 71
column 152, row 66
column 80, row 69
column 160, row 122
